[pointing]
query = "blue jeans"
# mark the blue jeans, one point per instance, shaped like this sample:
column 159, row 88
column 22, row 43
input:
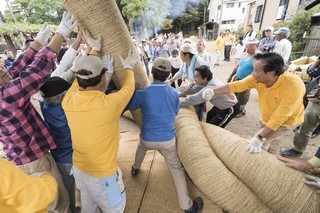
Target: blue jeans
column 69, row 183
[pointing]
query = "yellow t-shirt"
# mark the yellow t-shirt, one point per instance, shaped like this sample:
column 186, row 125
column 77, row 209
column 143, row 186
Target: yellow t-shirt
column 218, row 44
column 281, row 104
column 93, row 119
column 229, row 39
column 21, row 193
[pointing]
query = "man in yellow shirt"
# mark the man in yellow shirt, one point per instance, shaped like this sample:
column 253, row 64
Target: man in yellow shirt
column 93, row 118
column 218, row 46
column 229, row 40
column 20, row 192
column 280, row 96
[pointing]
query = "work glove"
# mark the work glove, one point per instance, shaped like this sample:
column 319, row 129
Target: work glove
column 207, row 94
column 312, row 181
column 44, row 34
column 130, row 61
column 254, row 145
column 168, row 82
column 95, row 44
column 66, row 25
column 108, row 63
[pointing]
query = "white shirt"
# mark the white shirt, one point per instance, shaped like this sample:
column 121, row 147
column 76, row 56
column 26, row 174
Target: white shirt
column 205, row 56
column 283, row 48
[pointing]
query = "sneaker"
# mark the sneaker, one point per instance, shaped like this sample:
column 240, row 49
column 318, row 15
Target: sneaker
column 196, row 207
column 241, row 113
column 290, row 153
column 134, row 171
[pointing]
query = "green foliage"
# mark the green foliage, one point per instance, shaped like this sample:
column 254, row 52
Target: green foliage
column 167, row 24
column 133, row 8
column 191, row 14
column 36, row 11
column 155, row 13
column 299, row 26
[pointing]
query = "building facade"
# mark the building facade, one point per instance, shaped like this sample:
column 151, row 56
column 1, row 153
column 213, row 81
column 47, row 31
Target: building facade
column 264, row 13
column 229, row 13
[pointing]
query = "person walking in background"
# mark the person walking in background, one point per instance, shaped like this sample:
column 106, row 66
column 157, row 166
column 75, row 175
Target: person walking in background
column 218, row 46
column 229, row 40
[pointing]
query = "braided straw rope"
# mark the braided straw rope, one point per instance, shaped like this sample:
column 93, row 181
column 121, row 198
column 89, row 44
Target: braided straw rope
column 103, row 17
column 279, row 187
column 208, row 173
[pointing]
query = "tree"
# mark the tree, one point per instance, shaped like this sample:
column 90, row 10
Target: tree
column 36, row 11
column 189, row 16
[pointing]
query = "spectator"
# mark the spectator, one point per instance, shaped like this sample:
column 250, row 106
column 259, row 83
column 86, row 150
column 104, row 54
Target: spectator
column 162, row 49
column 238, row 50
column 283, row 46
column 176, row 64
column 10, row 59
column 202, row 53
column 250, row 33
column 268, row 42
column 229, row 40
column 218, row 46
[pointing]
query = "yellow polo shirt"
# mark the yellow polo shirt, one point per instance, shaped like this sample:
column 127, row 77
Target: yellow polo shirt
column 20, row 192
column 218, row 44
column 281, row 104
column 93, row 118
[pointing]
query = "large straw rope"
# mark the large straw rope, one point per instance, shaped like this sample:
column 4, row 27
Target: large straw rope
column 103, row 17
column 281, row 188
column 206, row 170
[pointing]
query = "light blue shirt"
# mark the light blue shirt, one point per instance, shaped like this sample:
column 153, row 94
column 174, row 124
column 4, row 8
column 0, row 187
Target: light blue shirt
column 245, row 68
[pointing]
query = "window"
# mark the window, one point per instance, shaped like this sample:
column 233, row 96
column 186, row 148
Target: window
column 282, row 9
column 219, row 7
column 228, row 22
column 257, row 19
column 243, row 10
column 230, row 5
column 239, row 5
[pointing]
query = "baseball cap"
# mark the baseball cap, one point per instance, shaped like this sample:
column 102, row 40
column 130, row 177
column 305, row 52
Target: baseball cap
column 186, row 48
column 54, row 86
column 91, row 63
column 270, row 28
column 251, row 41
column 282, row 31
column 159, row 39
column 187, row 40
column 162, row 64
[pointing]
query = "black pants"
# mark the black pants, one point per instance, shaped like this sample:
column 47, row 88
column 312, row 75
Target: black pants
column 227, row 50
column 220, row 117
column 173, row 72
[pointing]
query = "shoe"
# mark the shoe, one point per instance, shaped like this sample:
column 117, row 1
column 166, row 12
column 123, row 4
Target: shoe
column 216, row 64
column 290, row 153
column 196, row 207
column 241, row 113
column 224, row 59
column 134, row 171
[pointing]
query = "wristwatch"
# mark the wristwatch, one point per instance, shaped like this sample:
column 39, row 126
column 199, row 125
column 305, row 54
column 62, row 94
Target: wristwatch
column 262, row 139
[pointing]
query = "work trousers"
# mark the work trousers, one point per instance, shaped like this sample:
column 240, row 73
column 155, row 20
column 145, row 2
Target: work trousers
column 220, row 117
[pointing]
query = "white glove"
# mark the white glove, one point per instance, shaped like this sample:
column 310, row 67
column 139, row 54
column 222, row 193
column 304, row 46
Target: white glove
column 108, row 63
column 312, row 181
column 168, row 82
column 207, row 94
column 254, row 145
column 66, row 25
column 95, row 44
column 185, row 87
column 44, row 34
column 130, row 61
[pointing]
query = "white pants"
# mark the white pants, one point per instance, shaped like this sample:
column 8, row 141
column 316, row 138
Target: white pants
column 93, row 193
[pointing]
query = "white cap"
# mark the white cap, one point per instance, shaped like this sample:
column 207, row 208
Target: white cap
column 91, row 63
column 251, row 41
column 187, row 40
column 186, row 48
column 270, row 28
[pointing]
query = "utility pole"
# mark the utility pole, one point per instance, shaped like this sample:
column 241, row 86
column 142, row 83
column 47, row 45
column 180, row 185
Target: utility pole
column 204, row 22
column 220, row 21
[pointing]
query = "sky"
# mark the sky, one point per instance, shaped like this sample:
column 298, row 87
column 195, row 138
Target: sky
column 3, row 5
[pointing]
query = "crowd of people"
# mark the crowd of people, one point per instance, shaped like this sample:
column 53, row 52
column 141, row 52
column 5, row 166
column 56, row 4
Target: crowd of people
column 75, row 144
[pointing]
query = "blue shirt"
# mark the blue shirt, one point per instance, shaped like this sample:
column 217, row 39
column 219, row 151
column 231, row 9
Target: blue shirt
column 56, row 119
column 159, row 105
column 245, row 68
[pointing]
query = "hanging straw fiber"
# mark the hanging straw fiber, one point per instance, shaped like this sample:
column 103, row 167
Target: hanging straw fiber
column 206, row 170
column 279, row 187
column 103, row 17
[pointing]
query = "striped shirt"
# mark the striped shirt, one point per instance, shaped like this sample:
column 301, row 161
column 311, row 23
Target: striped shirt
column 23, row 132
